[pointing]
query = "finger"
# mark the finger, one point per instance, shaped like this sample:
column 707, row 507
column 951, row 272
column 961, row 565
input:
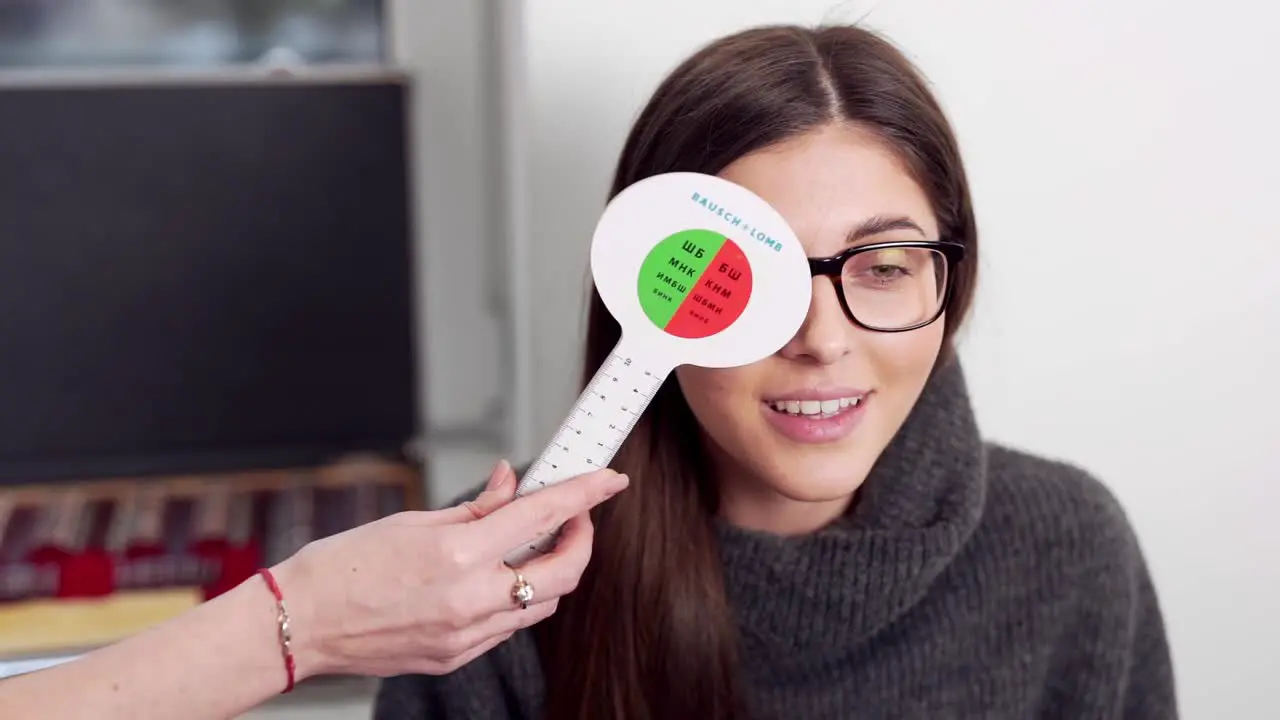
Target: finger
column 499, row 490
column 471, row 655
column 497, row 493
column 541, row 512
column 429, row 666
column 510, row 621
column 551, row 576
column 480, row 639
column 501, row 472
column 559, row 571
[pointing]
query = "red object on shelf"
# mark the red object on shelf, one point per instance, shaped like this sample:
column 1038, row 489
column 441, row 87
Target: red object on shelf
column 75, row 541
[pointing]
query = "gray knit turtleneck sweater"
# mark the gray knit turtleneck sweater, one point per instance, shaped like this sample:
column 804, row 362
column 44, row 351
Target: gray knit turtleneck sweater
column 970, row 581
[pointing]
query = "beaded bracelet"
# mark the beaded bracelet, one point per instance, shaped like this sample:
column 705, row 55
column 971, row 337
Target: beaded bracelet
column 282, row 623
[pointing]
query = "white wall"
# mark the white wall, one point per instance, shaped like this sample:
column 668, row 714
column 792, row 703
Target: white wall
column 1124, row 159
column 461, row 56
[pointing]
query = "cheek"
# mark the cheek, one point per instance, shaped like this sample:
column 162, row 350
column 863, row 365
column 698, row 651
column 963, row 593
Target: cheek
column 902, row 362
column 720, row 398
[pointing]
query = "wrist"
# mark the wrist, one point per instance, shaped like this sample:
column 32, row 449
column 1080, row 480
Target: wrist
column 296, row 583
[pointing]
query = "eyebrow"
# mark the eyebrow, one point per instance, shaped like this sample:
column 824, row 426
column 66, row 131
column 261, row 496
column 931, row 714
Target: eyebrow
column 880, row 224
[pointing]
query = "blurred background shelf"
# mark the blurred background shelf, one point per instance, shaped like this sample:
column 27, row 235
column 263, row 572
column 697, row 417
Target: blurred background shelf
column 225, row 235
column 35, row 634
column 209, row 350
column 89, row 563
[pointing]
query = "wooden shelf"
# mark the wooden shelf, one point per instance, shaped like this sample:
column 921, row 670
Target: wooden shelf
column 55, row 540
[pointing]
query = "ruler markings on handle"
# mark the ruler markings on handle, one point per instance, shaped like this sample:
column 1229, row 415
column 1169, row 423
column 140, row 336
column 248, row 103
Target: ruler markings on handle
column 593, row 430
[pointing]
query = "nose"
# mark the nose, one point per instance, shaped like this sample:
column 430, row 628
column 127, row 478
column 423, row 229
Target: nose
column 826, row 335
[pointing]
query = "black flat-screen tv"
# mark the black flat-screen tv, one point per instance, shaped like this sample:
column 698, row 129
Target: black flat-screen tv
column 204, row 275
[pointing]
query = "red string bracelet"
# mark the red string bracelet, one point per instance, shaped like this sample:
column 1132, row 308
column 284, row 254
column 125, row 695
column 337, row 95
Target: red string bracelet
column 282, row 623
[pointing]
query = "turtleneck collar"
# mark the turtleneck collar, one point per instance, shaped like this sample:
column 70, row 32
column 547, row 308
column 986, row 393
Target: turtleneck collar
column 845, row 582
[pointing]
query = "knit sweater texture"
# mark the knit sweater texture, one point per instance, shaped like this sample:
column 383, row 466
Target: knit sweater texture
column 969, row 581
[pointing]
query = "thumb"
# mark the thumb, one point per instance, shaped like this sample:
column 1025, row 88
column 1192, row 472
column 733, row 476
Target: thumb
column 501, row 474
column 500, row 489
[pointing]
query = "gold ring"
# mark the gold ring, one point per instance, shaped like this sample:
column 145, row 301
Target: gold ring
column 521, row 591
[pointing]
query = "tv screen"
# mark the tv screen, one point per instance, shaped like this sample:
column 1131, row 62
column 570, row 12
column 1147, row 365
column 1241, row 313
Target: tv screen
column 197, row 276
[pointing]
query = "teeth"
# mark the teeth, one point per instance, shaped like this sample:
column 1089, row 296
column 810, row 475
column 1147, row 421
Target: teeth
column 815, row 407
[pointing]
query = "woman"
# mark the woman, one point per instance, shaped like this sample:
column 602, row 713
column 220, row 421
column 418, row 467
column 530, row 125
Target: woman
column 824, row 533
column 413, row 592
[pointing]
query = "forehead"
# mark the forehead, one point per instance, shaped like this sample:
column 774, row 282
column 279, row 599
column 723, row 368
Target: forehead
column 827, row 182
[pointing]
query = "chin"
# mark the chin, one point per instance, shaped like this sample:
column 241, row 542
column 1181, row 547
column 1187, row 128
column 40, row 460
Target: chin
column 825, row 479
column 816, row 493
column 788, row 495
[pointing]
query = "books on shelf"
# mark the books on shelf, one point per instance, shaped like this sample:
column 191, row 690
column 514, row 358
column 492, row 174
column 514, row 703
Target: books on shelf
column 86, row 563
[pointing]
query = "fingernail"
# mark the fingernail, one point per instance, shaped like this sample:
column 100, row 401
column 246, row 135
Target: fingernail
column 499, row 476
column 616, row 483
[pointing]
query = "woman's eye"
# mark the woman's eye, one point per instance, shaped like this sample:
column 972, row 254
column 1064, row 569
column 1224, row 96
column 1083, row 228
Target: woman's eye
column 888, row 272
column 880, row 268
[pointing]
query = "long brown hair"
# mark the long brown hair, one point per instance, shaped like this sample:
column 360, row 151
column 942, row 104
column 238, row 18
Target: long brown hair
column 650, row 633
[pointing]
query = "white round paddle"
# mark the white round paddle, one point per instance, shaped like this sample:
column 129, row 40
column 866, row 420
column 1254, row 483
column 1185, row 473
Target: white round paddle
column 696, row 270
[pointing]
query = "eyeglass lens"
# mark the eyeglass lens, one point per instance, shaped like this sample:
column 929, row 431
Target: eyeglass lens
column 894, row 288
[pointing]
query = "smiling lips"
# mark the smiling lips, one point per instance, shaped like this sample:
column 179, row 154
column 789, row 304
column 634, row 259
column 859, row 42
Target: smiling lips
column 817, row 416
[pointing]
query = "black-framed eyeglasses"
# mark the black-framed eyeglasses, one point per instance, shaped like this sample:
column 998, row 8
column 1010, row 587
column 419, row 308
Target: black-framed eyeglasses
column 893, row 286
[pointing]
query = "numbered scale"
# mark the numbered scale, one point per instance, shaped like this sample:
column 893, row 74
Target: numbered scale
column 697, row 270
